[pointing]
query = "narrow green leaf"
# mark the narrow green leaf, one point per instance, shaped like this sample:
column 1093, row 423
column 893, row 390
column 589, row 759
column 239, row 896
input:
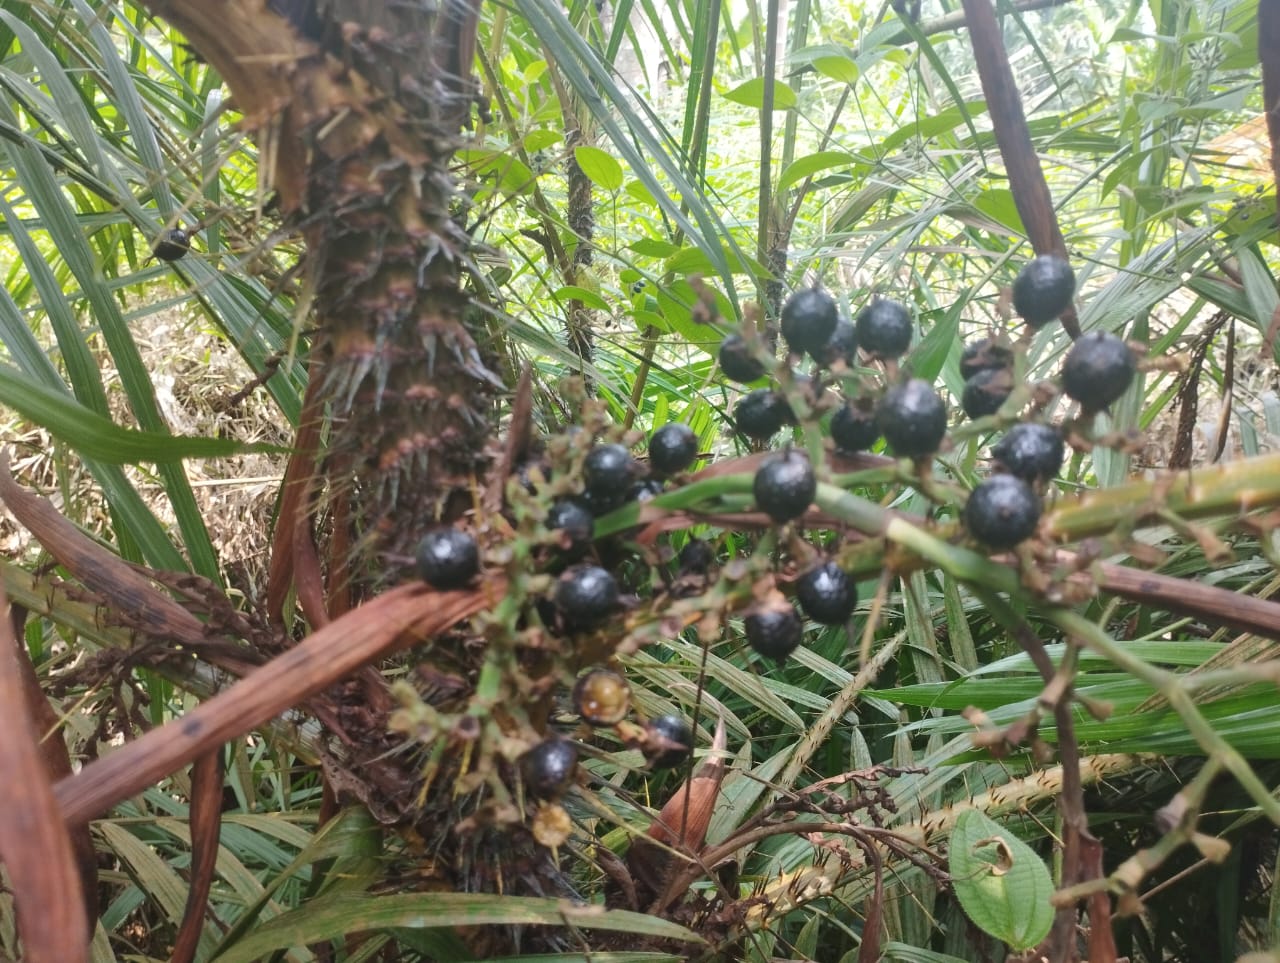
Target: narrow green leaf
column 332, row 917
column 1002, row 884
column 97, row 437
column 604, row 170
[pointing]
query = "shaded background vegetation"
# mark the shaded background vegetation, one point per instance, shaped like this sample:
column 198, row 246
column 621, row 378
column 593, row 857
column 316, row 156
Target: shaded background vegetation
column 623, row 152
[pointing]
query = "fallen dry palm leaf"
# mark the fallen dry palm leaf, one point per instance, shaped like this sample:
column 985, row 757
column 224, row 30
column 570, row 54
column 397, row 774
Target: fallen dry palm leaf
column 34, row 843
column 401, row 617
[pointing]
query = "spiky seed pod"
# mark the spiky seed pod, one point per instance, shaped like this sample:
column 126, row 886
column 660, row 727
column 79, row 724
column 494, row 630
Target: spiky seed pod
column 448, row 559
column 737, row 362
column 773, row 629
column 602, row 697
column 841, row 346
column 912, row 418
column 854, row 428
column 986, row 391
column 1031, row 451
column 1043, row 289
column 574, row 520
column 1097, row 370
column 1002, row 511
column 784, row 485
column 672, row 448
column 884, row 328
column 762, row 413
column 548, row 768
column 668, row 742
column 827, row 594
column 586, row 595
column 808, row 320
column 984, row 354
column 608, row 469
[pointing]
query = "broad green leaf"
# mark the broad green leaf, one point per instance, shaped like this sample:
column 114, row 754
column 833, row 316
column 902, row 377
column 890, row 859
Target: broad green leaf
column 1002, row 884
column 572, row 292
column 810, row 164
column 333, row 917
column 603, row 170
column 751, row 94
column 998, row 203
column 99, row 438
column 653, row 247
column 541, row 139
column 843, row 69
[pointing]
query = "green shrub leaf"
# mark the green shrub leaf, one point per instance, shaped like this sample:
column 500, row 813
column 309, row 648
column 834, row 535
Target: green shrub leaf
column 1001, row 883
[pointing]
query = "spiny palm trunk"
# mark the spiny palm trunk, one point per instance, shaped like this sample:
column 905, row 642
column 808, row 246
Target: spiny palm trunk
column 360, row 103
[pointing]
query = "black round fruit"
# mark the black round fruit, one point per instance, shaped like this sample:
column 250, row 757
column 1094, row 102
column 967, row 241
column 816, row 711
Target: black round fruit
column 602, row 697
column 1002, row 511
column 737, row 362
column 762, row 413
column 572, row 518
column 173, row 245
column 1098, row 369
column 448, row 559
column 1043, row 289
column 644, row 489
column 784, row 485
column 986, row 391
column 669, row 741
column 827, row 594
column 608, row 469
column 586, row 595
column 984, row 354
column 912, row 418
column 696, row 556
column 672, row 448
column 841, row 346
column 548, row 767
column 1031, row 451
column 774, row 630
column 853, row 428
column 808, row 320
column 884, row 328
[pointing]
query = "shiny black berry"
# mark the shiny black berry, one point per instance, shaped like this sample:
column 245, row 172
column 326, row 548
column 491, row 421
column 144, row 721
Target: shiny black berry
column 884, row 328
column 1002, row 511
column 784, row 485
column 762, row 413
column 574, row 520
column 1031, row 451
column 854, row 428
column 672, row 448
column 586, row 595
column 774, row 630
column 602, row 697
column 841, row 346
column 668, row 742
column 984, row 355
column 912, row 418
column 548, row 767
column 737, row 362
column 644, row 489
column 1043, row 289
column 173, row 245
column 808, row 320
column 637, row 286
column 1098, row 369
column 608, row 469
column 696, row 556
column 827, row 594
column 448, row 559
column 986, row 391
